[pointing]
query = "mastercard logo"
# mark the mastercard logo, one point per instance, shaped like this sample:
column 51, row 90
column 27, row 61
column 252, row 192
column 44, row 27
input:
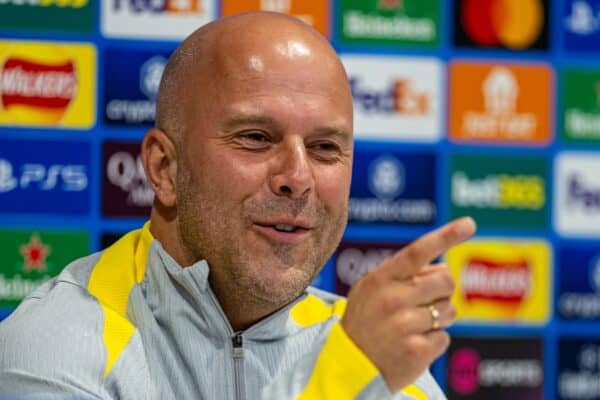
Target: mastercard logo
column 515, row 24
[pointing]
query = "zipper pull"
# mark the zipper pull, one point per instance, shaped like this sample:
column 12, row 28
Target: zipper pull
column 238, row 343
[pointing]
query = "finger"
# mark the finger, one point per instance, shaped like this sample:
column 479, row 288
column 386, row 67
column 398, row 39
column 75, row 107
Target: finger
column 433, row 285
column 408, row 261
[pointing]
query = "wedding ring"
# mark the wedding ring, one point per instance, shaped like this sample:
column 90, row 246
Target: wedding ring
column 435, row 317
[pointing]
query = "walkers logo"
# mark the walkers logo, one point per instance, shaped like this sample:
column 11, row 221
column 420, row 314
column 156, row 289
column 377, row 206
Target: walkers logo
column 314, row 13
column 125, row 190
column 47, row 84
column 44, row 177
column 501, row 280
column 130, row 95
column 388, row 22
column 396, row 98
column 156, row 19
column 578, row 369
column 396, row 188
column 500, row 191
column 495, row 369
column 32, row 257
column 353, row 260
column 509, row 103
column 43, row 15
column 577, row 194
column 582, row 25
column 509, row 24
column 581, row 105
column 579, row 282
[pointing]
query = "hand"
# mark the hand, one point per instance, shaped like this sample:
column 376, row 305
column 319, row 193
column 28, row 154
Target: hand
column 388, row 314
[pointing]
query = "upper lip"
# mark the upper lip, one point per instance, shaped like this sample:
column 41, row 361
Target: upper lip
column 297, row 222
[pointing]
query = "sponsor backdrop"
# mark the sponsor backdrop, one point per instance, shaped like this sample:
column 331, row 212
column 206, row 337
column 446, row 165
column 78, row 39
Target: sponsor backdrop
column 463, row 107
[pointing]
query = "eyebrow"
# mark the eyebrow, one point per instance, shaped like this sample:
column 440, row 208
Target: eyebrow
column 248, row 120
column 265, row 120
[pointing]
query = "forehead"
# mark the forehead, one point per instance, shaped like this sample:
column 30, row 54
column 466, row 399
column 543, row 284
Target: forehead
column 279, row 76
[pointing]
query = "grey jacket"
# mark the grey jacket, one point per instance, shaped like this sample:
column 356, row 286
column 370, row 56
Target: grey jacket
column 130, row 323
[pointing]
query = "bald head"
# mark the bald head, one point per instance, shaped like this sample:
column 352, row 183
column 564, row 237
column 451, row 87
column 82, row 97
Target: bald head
column 249, row 44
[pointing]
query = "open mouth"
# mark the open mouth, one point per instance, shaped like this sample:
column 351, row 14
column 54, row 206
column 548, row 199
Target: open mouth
column 285, row 228
column 282, row 232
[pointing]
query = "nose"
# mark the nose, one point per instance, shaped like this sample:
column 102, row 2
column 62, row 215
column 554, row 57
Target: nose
column 292, row 175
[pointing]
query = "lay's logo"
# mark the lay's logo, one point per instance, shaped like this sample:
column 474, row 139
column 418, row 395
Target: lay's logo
column 485, row 279
column 38, row 85
column 47, row 84
column 502, row 280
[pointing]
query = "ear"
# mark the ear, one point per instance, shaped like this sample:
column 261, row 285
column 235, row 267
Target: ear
column 159, row 157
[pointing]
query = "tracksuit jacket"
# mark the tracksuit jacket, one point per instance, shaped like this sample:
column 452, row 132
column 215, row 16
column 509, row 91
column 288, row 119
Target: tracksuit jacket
column 130, row 323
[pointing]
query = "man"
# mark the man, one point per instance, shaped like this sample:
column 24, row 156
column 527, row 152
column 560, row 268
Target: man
column 250, row 162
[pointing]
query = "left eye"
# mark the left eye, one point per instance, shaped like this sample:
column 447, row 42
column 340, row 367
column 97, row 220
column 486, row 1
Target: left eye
column 256, row 136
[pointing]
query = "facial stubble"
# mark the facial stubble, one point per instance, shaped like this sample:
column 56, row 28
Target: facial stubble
column 280, row 272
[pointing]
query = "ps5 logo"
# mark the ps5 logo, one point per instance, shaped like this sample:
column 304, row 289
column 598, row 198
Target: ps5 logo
column 69, row 178
column 386, row 177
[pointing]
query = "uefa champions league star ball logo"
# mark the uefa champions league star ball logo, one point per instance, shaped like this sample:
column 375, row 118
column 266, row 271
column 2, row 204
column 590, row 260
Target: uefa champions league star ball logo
column 386, row 177
column 150, row 75
column 595, row 273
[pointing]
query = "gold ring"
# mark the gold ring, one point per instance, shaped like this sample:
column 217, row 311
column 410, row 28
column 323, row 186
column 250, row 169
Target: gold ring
column 435, row 317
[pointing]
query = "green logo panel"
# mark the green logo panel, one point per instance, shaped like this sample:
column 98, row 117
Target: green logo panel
column 405, row 22
column 580, row 114
column 48, row 15
column 32, row 257
column 500, row 191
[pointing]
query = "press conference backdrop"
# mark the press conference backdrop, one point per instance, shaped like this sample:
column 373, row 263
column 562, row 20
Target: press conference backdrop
column 489, row 108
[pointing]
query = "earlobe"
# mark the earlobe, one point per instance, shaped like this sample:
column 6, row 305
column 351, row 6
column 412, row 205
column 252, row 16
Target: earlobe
column 159, row 157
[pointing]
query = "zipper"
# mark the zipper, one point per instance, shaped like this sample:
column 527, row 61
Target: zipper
column 237, row 341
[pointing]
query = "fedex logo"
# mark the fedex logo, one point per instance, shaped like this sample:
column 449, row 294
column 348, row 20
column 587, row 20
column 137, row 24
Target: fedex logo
column 396, row 97
column 580, row 194
column 577, row 194
column 44, row 177
column 158, row 6
column 399, row 97
column 70, row 178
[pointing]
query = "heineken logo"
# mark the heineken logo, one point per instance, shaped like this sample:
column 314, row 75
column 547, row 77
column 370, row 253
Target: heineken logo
column 389, row 21
column 581, row 113
column 33, row 257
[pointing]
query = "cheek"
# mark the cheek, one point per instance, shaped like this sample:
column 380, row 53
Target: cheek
column 233, row 176
column 333, row 187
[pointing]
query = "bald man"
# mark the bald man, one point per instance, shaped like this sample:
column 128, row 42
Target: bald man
column 250, row 161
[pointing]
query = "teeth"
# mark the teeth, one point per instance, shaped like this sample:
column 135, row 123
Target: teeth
column 285, row 228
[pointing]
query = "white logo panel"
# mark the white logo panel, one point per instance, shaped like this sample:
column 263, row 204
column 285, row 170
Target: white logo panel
column 577, row 194
column 155, row 19
column 396, row 97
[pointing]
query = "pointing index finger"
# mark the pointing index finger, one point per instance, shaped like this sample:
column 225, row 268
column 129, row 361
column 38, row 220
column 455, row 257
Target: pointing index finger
column 408, row 261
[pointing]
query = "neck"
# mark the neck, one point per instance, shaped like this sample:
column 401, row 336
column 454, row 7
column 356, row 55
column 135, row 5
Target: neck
column 242, row 312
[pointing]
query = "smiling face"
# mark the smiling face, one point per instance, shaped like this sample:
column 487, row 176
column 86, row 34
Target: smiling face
column 265, row 164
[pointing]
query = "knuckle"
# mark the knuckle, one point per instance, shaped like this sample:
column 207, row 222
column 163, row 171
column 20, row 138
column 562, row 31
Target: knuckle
column 412, row 253
column 390, row 303
column 448, row 281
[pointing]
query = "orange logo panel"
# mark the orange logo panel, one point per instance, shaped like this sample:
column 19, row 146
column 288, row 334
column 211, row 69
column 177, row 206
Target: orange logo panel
column 313, row 13
column 500, row 103
column 47, row 84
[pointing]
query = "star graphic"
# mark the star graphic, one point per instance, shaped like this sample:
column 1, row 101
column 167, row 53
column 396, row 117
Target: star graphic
column 34, row 254
column 391, row 4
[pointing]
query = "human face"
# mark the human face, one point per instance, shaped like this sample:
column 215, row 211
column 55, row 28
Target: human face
column 263, row 183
